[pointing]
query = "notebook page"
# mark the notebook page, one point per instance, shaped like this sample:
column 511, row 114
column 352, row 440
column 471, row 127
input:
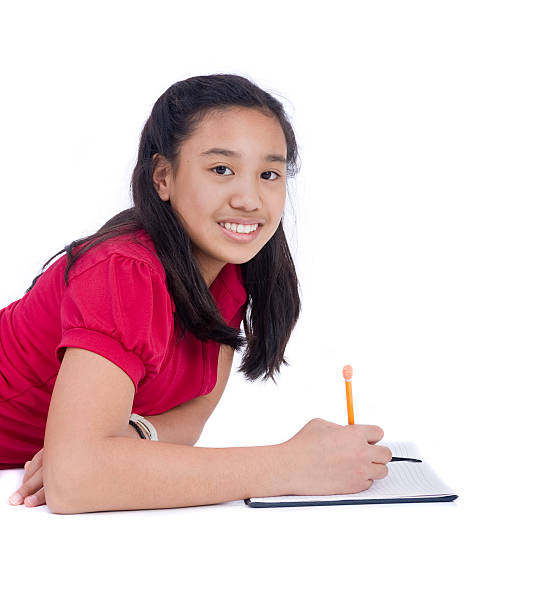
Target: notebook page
column 405, row 479
column 402, row 449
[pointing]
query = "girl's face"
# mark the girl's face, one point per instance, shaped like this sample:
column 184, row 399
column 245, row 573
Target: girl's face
column 232, row 170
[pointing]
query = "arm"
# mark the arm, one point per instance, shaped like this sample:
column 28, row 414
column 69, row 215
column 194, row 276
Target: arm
column 89, row 466
column 184, row 423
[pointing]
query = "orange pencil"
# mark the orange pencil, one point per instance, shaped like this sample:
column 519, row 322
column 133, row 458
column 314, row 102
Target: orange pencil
column 347, row 371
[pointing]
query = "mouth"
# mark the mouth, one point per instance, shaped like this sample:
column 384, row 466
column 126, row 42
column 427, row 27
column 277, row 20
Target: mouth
column 240, row 232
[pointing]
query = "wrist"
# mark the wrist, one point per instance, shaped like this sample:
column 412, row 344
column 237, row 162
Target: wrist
column 285, row 467
column 131, row 432
column 143, row 426
column 294, row 458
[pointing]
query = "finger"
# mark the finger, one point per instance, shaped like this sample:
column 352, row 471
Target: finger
column 373, row 433
column 31, row 486
column 378, row 470
column 32, row 465
column 28, row 471
column 381, row 454
column 38, row 499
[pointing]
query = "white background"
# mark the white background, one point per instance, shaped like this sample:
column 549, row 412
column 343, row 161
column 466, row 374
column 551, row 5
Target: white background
column 421, row 226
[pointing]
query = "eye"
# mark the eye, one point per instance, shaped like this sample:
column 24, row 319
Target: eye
column 217, row 167
column 277, row 175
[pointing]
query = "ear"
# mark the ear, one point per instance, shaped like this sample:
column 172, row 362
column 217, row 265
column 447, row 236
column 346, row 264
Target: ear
column 161, row 176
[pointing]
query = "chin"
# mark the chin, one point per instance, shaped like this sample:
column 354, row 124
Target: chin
column 237, row 259
column 242, row 254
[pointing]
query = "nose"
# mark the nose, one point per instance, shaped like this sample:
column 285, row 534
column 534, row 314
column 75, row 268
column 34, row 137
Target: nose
column 246, row 196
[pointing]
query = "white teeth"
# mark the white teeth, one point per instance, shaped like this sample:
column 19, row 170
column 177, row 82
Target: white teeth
column 240, row 228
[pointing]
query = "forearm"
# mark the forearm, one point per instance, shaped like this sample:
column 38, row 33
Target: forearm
column 134, row 474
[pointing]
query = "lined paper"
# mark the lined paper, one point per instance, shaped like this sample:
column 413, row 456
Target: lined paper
column 405, row 479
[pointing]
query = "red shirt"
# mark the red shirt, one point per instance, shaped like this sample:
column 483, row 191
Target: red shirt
column 117, row 304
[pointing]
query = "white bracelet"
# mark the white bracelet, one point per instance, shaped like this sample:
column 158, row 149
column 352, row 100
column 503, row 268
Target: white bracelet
column 150, row 429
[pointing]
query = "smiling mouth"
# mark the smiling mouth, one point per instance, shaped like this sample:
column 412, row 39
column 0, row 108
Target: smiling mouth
column 239, row 228
column 241, row 232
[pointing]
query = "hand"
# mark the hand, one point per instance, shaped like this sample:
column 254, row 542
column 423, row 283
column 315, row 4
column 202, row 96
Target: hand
column 331, row 459
column 31, row 489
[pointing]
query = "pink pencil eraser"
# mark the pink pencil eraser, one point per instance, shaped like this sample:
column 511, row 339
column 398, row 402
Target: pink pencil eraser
column 347, row 372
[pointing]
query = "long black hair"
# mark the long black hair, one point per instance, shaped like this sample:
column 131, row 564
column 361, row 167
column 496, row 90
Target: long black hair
column 273, row 302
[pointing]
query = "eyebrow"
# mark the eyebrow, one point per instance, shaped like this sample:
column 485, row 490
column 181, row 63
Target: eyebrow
column 271, row 157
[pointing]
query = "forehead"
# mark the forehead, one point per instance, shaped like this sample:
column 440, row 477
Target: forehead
column 241, row 129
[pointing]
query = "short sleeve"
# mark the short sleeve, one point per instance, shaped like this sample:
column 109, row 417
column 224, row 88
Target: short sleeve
column 119, row 308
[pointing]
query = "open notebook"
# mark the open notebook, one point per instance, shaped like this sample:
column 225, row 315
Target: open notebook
column 406, row 482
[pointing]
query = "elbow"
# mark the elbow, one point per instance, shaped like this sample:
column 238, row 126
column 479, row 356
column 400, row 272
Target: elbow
column 57, row 502
column 57, row 506
column 60, row 487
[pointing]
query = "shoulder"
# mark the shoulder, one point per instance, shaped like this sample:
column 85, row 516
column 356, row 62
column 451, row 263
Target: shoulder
column 135, row 247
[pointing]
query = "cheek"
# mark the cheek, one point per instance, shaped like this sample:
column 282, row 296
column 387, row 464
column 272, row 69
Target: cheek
column 195, row 208
column 277, row 209
column 271, row 230
column 274, row 196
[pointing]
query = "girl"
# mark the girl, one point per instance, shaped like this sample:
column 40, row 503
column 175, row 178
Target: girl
column 141, row 319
